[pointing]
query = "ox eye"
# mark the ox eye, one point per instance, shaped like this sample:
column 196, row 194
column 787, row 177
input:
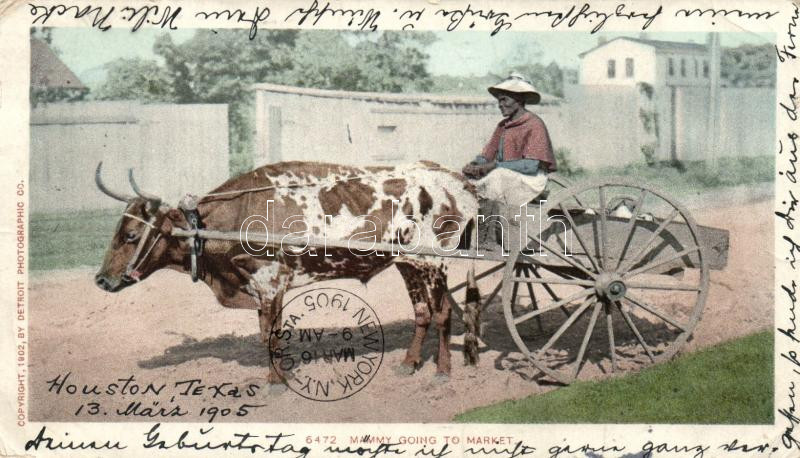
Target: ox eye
column 131, row 236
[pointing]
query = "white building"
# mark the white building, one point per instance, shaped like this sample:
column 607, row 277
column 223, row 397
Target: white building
column 626, row 61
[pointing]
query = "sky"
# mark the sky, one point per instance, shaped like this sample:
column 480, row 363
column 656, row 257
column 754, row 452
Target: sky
column 86, row 51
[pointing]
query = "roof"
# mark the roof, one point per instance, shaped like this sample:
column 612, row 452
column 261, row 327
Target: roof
column 48, row 71
column 659, row 45
column 434, row 99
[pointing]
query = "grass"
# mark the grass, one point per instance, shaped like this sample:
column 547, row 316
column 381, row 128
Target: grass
column 73, row 239
column 731, row 383
column 684, row 178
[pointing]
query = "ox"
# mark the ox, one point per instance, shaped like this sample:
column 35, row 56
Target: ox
column 420, row 204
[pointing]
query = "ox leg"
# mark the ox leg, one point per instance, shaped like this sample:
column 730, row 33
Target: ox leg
column 418, row 294
column 426, row 286
column 267, row 289
column 442, row 318
column 276, row 377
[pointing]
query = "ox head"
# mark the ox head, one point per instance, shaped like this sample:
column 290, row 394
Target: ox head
column 141, row 243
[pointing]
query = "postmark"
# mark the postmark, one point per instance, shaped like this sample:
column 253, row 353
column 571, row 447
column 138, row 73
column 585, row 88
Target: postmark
column 330, row 344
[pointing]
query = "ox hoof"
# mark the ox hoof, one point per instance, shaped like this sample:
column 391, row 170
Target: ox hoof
column 441, row 378
column 276, row 389
column 404, row 370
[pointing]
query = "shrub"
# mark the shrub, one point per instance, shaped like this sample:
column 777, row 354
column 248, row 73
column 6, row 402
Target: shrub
column 564, row 164
column 733, row 171
column 646, row 89
column 649, row 153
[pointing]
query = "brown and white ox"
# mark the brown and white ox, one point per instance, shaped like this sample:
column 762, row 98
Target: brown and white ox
column 372, row 203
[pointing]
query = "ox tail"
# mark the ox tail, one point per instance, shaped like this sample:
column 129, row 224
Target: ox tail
column 472, row 319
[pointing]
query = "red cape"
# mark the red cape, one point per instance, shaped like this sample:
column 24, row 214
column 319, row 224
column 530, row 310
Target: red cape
column 525, row 137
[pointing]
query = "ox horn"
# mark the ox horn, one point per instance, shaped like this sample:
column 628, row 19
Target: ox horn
column 155, row 201
column 98, row 180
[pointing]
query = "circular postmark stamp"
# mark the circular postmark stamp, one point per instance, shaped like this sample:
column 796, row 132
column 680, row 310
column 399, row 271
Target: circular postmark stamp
column 329, row 344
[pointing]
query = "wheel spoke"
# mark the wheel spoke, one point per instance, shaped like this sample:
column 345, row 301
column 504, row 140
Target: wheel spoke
column 554, row 281
column 563, row 244
column 514, row 291
column 561, row 256
column 653, row 265
column 457, row 305
column 579, row 295
column 549, row 290
column 493, row 294
column 587, row 337
column 630, row 227
column 633, row 328
column 577, row 236
column 483, row 274
column 526, row 274
column 534, row 305
column 612, row 346
column 643, row 250
column 664, row 286
column 603, row 228
column 649, row 308
column 565, row 326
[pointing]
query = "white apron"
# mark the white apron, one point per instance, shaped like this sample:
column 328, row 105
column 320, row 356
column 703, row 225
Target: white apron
column 511, row 188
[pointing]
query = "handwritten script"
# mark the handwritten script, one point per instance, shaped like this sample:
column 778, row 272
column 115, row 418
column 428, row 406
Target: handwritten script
column 787, row 170
column 327, row 14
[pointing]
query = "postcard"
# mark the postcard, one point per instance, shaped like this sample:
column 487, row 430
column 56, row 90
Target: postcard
column 345, row 228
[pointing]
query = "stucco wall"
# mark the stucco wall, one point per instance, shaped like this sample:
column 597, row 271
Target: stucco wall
column 174, row 149
column 747, row 121
column 362, row 128
column 599, row 125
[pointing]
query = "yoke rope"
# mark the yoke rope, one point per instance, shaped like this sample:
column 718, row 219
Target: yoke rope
column 297, row 185
column 267, row 188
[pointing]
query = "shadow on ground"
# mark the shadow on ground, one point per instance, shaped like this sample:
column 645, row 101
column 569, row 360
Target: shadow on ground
column 249, row 351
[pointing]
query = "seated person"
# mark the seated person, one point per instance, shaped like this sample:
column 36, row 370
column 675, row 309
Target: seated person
column 514, row 164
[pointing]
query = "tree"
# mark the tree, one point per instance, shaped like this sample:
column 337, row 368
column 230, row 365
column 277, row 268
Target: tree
column 396, row 62
column 136, row 79
column 336, row 68
column 45, row 34
column 748, row 65
column 57, row 94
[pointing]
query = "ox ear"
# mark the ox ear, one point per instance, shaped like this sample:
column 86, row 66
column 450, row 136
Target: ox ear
column 247, row 265
column 175, row 218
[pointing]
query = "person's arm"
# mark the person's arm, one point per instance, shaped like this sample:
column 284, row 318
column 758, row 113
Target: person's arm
column 523, row 166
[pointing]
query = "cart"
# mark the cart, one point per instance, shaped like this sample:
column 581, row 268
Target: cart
column 611, row 271
column 617, row 274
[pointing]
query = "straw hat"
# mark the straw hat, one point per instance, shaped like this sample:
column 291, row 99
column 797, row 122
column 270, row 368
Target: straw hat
column 517, row 84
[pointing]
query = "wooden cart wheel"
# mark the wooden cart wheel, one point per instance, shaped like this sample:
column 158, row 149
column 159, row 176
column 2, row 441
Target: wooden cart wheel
column 557, row 183
column 629, row 292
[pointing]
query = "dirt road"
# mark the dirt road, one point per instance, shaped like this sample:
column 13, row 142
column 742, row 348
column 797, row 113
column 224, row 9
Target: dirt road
column 170, row 331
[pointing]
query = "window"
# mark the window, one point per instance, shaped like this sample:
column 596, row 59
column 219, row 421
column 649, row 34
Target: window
column 696, row 69
column 629, row 67
column 683, row 67
column 612, row 68
column 671, row 67
column 705, row 69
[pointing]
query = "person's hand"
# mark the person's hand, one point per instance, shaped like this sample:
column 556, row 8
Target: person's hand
column 478, row 170
column 484, row 169
column 471, row 170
